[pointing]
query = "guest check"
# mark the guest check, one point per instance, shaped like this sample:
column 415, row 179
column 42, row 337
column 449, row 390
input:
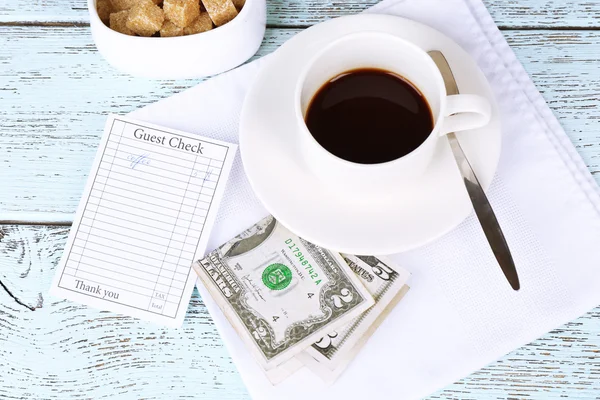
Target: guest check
column 146, row 214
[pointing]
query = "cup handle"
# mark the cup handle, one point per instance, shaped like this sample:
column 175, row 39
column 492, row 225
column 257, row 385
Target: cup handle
column 464, row 112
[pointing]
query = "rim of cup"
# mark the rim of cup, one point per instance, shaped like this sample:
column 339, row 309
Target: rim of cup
column 438, row 117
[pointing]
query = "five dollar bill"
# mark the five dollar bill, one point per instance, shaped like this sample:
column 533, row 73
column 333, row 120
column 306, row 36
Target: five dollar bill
column 293, row 303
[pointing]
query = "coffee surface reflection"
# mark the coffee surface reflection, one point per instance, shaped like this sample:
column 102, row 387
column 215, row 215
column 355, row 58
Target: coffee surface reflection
column 369, row 116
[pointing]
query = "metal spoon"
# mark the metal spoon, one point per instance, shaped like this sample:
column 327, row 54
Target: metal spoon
column 481, row 204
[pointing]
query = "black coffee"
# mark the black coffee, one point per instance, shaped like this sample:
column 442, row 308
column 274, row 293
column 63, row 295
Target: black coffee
column 369, row 116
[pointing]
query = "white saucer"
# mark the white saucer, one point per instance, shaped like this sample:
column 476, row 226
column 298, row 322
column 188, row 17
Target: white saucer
column 398, row 220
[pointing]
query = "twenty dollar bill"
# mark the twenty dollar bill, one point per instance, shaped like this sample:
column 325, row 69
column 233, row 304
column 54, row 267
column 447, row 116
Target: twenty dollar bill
column 280, row 292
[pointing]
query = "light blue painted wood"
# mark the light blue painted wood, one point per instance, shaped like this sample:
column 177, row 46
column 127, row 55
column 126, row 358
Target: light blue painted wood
column 506, row 13
column 54, row 90
column 65, row 350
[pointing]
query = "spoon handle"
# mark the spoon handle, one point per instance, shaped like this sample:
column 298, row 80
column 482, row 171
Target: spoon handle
column 483, row 209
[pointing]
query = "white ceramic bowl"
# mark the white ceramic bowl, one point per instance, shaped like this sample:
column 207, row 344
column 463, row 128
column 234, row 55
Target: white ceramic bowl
column 193, row 56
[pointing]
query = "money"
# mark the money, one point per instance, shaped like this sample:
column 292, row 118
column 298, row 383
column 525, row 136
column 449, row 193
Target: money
column 281, row 293
column 284, row 370
column 329, row 356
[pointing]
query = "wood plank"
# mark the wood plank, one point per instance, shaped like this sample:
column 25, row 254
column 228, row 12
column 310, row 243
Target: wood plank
column 507, row 14
column 55, row 91
column 65, row 350
column 54, row 98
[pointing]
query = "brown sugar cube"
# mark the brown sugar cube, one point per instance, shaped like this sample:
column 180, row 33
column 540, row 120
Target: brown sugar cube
column 181, row 12
column 120, row 5
column 169, row 29
column 118, row 22
column 104, row 8
column 201, row 24
column 220, row 11
column 239, row 4
column 145, row 18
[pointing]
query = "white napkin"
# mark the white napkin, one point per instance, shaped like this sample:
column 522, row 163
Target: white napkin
column 460, row 313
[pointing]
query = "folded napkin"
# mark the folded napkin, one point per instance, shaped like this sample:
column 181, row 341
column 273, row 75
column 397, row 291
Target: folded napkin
column 460, row 313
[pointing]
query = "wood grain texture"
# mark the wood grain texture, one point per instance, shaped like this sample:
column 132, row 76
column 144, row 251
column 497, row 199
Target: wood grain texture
column 66, row 350
column 507, row 13
column 55, row 92
column 54, row 98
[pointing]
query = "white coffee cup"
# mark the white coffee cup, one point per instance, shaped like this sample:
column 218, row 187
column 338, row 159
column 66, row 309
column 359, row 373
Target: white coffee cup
column 388, row 52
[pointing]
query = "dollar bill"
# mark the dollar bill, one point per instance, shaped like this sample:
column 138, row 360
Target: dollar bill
column 280, row 292
column 329, row 356
column 284, row 370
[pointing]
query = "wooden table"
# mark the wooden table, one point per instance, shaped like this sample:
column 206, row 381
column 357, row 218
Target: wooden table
column 55, row 91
